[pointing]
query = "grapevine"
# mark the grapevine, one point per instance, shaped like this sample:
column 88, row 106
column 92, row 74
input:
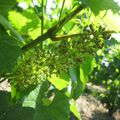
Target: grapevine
column 37, row 65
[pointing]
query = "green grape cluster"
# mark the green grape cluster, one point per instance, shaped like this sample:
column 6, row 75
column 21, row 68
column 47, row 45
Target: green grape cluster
column 27, row 73
column 37, row 65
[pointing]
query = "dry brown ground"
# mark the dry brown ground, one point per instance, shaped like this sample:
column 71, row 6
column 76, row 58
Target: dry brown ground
column 91, row 109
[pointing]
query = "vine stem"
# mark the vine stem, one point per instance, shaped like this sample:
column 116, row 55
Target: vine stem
column 61, row 9
column 42, row 21
column 53, row 30
column 57, row 38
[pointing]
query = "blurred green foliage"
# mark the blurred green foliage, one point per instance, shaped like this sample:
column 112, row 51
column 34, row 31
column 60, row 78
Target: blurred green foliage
column 107, row 73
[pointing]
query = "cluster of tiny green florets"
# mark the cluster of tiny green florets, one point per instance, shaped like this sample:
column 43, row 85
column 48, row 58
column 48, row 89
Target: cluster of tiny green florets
column 36, row 65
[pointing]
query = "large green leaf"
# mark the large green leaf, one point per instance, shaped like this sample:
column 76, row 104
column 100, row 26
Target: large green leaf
column 59, row 106
column 74, row 110
column 14, row 111
column 107, row 12
column 30, row 100
column 86, row 68
column 17, row 112
column 6, row 5
column 35, row 97
column 58, row 82
column 9, row 53
column 7, row 25
column 77, row 84
column 26, row 22
column 79, row 76
column 59, row 109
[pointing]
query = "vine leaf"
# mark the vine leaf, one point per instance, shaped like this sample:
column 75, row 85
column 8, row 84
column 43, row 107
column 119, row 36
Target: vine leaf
column 34, row 98
column 59, row 83
column 9, row 53
column 7, row 25
column 79, row 76
column 59, row 105
column 27, row 23
column 87, row 67
column 59, row 109
column 77, row 84
column 106, row 12
column 6, row 5
column 74, row 110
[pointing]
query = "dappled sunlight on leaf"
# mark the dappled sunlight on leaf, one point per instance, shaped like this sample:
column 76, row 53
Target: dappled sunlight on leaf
column 6, row 5
column 104, row 5
column 59, row 83
column 26, row 23
column 106, row 12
